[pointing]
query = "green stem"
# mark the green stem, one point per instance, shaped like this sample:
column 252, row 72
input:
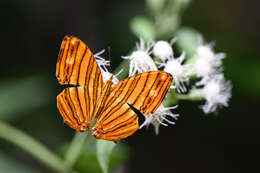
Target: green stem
column 123, row 65
column 183, row 96
column 194, row 95
column 74, row 149
column 30, row 145
column 170, row 99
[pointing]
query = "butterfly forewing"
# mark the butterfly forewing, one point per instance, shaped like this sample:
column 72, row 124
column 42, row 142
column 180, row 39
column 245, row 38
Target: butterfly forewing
column 144, row 91
column 77, row 66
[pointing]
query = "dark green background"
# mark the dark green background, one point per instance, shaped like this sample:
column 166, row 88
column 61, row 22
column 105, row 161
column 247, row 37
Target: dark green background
column 31, row 33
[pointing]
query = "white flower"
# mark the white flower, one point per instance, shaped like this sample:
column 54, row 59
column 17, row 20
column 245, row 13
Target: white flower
column 140, row 60
column 207, row 63
column 178, row 71
column 163, row 49
column 107, row 75
column 159, row 117
column 217, row 92
column 102, row 63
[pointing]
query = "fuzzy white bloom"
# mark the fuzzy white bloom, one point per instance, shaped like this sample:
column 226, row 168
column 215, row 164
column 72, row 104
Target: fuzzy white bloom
column 217, row 92
column 107, row 75
column 102, row 63
column 178, row 71
column 163, row 50
column 207, row 62
column 159, row 117
column 140, row 60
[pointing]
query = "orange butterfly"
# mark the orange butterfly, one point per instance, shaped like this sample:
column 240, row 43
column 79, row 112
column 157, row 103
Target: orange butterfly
column 113, row 107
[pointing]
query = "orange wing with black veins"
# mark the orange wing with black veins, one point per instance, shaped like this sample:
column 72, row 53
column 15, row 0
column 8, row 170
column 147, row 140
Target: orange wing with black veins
column 77, row 66
column 144, row 91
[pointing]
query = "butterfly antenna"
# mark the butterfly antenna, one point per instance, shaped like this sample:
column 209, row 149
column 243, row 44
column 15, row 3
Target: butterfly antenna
column 109, row 57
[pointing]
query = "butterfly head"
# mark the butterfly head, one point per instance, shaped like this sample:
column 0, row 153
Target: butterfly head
column 83, row 127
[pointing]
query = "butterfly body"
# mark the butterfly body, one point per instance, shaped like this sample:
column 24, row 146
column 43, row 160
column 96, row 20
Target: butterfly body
column 92, row 98
column 101, row 102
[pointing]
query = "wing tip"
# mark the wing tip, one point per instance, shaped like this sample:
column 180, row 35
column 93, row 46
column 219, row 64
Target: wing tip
column 70, row 37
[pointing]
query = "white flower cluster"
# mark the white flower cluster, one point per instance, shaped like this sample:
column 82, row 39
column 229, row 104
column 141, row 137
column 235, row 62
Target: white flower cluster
column 205, row 67
column 140, row 60
column 217, row 92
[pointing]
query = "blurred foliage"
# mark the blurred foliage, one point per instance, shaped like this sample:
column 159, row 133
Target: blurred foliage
column 104, row 150
column 9, row 165
column 187, row 40
column 88, row 160
column 77, row 143
column 35, row 30
column 23, row 94
column 143, row 27
column 32, row 146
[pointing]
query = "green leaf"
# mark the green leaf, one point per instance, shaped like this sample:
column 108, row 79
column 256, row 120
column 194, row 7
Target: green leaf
column 104, row 150
column 187, row 40
column 143, row 27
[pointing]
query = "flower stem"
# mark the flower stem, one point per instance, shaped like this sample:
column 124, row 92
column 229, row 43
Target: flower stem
column 183, row 96
column 75, row 148
column 194, row 95
column 30, row 145
column 170, row 99
column 123, row 65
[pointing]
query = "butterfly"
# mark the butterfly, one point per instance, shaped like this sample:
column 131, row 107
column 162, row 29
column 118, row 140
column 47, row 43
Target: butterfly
column 113, row 107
